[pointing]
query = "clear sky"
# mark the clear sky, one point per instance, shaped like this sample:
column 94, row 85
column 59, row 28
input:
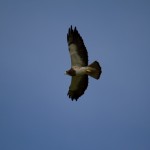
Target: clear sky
column 35, row 112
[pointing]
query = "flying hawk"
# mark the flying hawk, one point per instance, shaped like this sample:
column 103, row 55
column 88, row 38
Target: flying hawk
column 79, row 65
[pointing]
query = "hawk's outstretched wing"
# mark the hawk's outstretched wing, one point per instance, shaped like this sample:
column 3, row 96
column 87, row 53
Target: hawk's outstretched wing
column 77, row 49
column 78, row 86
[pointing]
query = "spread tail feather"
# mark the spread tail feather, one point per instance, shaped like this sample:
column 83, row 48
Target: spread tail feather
column 94, row 70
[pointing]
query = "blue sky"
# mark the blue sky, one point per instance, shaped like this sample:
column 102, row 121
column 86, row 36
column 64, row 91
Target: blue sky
column 35, row 112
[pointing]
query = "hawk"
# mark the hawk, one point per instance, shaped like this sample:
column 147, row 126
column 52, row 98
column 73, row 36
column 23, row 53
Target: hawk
column 80, row 70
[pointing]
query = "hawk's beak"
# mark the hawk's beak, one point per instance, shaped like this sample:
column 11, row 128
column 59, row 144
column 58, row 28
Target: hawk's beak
column 65, row 73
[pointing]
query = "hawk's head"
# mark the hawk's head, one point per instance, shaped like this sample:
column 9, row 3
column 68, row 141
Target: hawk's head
column 71, row 72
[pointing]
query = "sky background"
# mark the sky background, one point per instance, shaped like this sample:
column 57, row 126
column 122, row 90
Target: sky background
column 35, row 112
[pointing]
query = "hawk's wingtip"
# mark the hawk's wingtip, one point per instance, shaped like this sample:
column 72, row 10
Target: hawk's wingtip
column 71, row 28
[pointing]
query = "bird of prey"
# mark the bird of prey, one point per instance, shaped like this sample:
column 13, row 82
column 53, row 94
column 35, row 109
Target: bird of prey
column 80, row 70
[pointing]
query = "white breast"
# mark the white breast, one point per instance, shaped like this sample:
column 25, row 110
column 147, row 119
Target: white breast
column 80, row 70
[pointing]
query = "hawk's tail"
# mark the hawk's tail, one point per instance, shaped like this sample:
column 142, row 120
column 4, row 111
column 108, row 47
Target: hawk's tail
column 94, row 70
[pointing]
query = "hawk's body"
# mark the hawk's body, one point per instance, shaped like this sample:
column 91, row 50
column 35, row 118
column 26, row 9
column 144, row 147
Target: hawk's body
column 79, row 65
